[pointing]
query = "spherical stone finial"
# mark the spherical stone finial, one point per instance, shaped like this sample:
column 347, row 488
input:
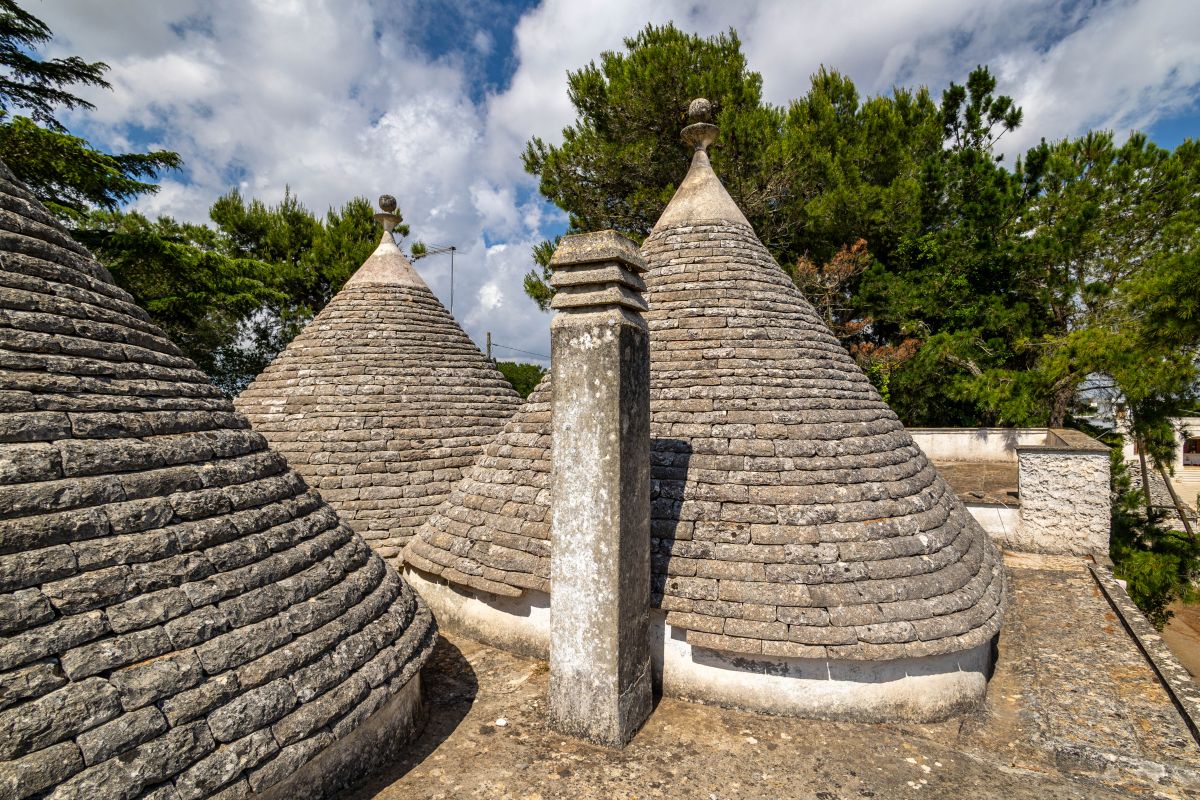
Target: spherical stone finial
column 388, row 218
column 701, row 132
column 700, row 110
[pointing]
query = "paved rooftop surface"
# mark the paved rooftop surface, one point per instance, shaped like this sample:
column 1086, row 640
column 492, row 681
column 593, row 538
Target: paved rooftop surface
column 993, row 482
column 1182, row 635
column 1073, row 711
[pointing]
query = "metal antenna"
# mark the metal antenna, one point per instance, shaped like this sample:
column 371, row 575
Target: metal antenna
column 437, row 250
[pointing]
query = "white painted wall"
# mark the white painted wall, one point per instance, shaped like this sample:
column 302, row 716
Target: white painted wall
column 1186, row 479
column 1001, row 523
column 1187, row 472
column 976, row 444
column 917, row 689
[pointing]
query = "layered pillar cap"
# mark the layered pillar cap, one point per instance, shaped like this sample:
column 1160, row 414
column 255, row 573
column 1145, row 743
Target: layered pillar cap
column 597, row 269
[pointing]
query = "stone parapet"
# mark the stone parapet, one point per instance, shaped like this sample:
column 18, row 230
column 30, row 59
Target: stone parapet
column 1064, row 490
column 1035, row 490
column 1175, row 678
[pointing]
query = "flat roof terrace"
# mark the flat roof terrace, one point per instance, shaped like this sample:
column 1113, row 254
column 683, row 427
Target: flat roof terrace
column 1075, row 710
column 986, row 482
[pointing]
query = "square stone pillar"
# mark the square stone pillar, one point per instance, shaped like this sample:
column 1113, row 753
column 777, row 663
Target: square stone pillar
column 600, row 680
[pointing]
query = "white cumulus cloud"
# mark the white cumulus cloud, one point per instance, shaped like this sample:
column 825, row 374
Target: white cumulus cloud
column 336, row 98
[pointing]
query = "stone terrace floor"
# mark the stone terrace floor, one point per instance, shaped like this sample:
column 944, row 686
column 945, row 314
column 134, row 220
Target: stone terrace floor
column 1073, row 711
column 993, row 482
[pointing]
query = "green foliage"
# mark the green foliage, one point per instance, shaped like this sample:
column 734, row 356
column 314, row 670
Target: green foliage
column 33, row 84
column 523, row 376
column 65, row 172
column 198, row 294
column 991, row 294
column 232, row 296
column 631, row 108
column 69, row 176
column 1159, row 565
column 620, row 162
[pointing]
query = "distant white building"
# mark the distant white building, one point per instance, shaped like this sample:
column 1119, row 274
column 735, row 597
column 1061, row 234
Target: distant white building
column 1188, row 466
column 1186, row 477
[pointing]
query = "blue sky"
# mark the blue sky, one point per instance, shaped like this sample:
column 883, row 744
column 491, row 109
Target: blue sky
column 1169, row 132
column 432, row 100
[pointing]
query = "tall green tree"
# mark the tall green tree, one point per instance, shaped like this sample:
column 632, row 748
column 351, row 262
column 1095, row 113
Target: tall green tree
column 65, row 172
column 1103, row 223
column 232, row 295
column 948, row 282
column 816, row 176
column 620, row 162
column 185, row 277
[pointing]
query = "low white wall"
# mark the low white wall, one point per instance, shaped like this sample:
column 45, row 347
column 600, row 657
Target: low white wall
column 1000, row 522
column 926, row 689
column 911, row 689
column 519, row 625
column 975, row 444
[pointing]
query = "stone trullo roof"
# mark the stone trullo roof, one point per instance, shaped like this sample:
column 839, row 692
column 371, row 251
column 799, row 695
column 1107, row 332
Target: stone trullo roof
column 792, row 513
column 494, row 531
column 179, row 613
column 382, row 401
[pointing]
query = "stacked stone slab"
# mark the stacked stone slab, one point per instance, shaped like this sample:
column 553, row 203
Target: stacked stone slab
column 493, row 533
column 792, row 515
column 181, row 616
column 381, row 402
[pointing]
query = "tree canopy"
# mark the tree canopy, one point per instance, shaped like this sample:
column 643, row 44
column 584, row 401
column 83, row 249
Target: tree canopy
column 970, row 291
column 232, row 295
column 65, row 172
column 523, row 376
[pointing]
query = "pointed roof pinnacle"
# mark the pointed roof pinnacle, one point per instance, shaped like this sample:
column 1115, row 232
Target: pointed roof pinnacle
column 701, row 197
column 387, row 265
column 701, row 132
column 389, row 219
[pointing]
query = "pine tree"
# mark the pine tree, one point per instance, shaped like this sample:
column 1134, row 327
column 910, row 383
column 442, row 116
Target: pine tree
column 65, row 172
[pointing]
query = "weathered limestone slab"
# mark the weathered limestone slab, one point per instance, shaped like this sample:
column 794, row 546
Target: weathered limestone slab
column 600, row 488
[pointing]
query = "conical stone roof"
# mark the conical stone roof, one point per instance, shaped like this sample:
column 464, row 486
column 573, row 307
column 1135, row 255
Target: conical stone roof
column 382, row 401
column 792, row 514
column 493, row 533
column 180, row 615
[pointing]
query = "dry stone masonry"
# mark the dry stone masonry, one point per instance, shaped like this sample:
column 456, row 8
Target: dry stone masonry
column 182, row 617
column 792, row 515
column 493, row 532
column 382, row 401
column 1065, row 503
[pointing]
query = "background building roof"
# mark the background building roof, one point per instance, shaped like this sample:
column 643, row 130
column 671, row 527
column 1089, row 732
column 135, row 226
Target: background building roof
column 382, row 401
